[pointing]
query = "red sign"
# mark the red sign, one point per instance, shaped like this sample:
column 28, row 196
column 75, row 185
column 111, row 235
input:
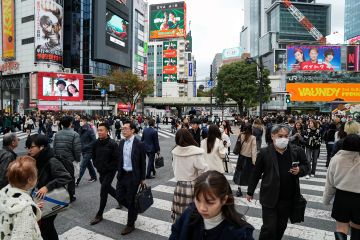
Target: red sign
column 56, row 86
column 170, row 70
column 171, row 53
column 8, row 66
column 145, row 69
column 32, row 105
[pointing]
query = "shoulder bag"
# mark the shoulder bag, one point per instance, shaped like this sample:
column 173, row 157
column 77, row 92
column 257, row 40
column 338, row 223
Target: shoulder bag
column 238, row 145
column 143, row 198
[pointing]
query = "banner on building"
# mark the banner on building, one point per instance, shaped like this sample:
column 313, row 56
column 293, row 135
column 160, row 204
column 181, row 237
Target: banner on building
column 49, row 22
column 280, row 60
column 188, row 43
column 56, row 86
column 231, row 53
column 169, row 77
column 323, row 77
column 352, row 58
column 170, row 49
column 190, row 69
column 8, row 29
column 313, row 58
column 168, row 20
column 324, row 92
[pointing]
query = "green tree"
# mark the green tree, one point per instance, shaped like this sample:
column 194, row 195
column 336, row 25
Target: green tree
column 128, row 86
column 202, row 93
column 238, row 81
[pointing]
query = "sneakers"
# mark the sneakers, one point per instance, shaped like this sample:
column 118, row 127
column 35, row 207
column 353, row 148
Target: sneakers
column 92, row 180
column 312, row 175
column 307, row 176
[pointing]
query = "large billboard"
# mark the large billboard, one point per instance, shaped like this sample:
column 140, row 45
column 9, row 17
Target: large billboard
column 313, row 58
column 56, row 86
column 168, row 20
column 49, row 17
column 170, row 78
column 8, row 29
column 324, row 92
column 323, row 77
column 116, row 31
column 231, row 53
column 170, row 49
column 352, row 58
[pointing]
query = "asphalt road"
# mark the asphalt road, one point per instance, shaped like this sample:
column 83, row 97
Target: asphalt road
column 73, row 224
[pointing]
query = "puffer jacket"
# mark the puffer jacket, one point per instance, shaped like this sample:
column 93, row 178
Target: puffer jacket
column 105, row 155
column 67, row 144
column 87, row 138
column 7, row 155
column 19, row 215
column 51, row 171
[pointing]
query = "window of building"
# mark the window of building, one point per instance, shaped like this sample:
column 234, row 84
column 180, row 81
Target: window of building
column 27, row 19
column 27, row 40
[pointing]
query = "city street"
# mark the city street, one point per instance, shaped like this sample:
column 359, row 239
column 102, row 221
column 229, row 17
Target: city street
column 156, row 222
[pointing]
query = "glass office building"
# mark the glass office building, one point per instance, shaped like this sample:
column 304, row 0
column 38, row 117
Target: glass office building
column 352, row 19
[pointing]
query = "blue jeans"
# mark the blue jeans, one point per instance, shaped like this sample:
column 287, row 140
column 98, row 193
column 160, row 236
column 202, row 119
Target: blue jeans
column 312, row 157
column 87, row 163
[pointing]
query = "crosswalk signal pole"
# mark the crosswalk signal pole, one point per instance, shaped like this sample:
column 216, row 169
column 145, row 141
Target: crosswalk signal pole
column 211, row 93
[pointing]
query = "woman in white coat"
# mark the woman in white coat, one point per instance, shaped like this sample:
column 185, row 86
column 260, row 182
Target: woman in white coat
column 215, row 149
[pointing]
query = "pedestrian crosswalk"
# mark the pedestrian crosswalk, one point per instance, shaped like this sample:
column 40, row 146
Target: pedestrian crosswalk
column 163, row 133
column 20, row 134
column 157, row 222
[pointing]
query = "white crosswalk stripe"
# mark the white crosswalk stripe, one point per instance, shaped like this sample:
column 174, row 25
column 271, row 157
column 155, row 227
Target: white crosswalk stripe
column 153, row 223
column 20, row 135
column 163, row 134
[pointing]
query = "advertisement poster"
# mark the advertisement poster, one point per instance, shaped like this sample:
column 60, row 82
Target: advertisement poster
column 53, row 86
column 170, row 49
column 313, row 58
column 170, row 78
column 352, row 58
column 8, row 29
column 280, row 60
column 323, row 77
column 324, row 92
column 49, row 16
column 168, row 20
column 188, row 43
column 116, row 31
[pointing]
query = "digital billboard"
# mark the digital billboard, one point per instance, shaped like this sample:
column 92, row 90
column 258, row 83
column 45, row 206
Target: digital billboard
column 168, row 20
column 231, row 53
column 53, row 86
column 49, row 15
column 323, row 77
column 8, row 29
column 313, row 58
column 116, row 31
column 352, row 58
column 324, row 92
column 170, row 78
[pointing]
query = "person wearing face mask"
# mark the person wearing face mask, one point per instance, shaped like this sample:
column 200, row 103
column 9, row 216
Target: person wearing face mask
column 88, row 139
column 279, row 165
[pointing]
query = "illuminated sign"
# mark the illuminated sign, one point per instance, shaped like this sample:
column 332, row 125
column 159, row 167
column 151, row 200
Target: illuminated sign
column 8, row 29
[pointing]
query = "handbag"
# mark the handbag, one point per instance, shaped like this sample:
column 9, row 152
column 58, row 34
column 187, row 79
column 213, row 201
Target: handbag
column 228, row 167
column 298, row 211
column 238, row 146
column 159, row 161
column 55, row 201
column 143, row 198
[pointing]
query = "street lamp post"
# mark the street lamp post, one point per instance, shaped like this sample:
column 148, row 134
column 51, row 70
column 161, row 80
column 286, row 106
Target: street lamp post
column 61, row 105
column 260, row 76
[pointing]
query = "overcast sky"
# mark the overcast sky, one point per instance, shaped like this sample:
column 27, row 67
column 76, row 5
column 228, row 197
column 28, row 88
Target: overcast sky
column 216, row 25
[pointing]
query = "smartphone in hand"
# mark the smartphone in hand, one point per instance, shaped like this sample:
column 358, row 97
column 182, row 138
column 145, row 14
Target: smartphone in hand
column 294, row 164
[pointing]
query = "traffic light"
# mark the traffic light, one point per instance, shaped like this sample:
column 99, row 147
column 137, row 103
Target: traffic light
column 287, row 99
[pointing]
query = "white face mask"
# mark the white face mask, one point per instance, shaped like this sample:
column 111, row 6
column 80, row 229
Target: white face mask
column 281, row 143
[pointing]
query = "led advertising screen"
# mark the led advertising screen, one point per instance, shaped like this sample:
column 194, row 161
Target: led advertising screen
column 8, row 29
column 168, row 20
column 352, row 58
column 53, row 86
column 49, row 17
column 313, row 58
column 324, row 92
column 116, row 31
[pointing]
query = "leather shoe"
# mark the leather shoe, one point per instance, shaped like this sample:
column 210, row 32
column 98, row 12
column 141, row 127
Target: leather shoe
column 340, row 236
column 150, row 177
column 96, row 220
column 127, row 230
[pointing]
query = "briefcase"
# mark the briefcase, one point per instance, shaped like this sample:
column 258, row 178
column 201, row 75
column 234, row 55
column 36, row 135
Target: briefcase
column 159, row 161
column 298, row 211
column 143, row 198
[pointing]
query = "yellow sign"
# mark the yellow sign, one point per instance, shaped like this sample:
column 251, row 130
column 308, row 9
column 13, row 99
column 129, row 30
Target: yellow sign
column 8, row 29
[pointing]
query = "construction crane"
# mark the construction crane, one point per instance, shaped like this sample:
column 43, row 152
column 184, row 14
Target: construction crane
column 304, row 21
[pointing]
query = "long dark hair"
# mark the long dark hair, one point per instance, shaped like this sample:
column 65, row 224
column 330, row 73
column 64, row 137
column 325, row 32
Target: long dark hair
column 67, row 89
column 247, row 132
column 215, row 184
column 183, row 138
column 213, row 134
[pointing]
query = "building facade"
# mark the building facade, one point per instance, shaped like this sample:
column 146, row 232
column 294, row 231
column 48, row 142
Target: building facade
column 139, row 37
column 352, row 20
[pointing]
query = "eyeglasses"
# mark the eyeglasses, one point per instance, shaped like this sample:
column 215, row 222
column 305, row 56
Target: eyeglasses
column 125, row 128
column 31, row 147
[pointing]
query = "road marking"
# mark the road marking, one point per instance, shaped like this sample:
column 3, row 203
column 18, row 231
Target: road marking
column 79, row 233
column 20, row 135
column 167, row 133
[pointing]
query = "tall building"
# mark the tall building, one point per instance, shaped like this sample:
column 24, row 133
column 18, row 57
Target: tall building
column 140, row 37
column 352, row 20
column 215, row 66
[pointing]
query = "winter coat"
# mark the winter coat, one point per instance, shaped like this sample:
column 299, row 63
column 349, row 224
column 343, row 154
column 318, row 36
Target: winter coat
column 214, row 159
column 312, row 138
column 67, row 144
column 105, row 155
column 188, row 163
column 87, row 138
column 343, row 174
column 19, row 215
column 7, row 155
column 191, row 226
column 51, row 171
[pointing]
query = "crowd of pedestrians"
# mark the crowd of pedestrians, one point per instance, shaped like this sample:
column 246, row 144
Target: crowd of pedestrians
column 203, row 202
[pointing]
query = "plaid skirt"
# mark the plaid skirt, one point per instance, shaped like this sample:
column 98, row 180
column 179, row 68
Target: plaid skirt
column 183, row 196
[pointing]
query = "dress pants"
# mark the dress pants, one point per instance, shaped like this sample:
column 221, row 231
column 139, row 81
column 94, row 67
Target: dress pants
column 329, row 148
column 69, row 166
column 150, row 166
column 86, row 163
column 126, row 189
column 47, row 228
column 275, row 221
column 105, row 180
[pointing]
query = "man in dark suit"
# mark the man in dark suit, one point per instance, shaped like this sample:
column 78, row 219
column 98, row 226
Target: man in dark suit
column 131, row 173
column 279, row 165
column 151, row 141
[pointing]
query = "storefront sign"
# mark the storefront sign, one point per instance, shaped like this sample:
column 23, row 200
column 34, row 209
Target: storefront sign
column 9, row 66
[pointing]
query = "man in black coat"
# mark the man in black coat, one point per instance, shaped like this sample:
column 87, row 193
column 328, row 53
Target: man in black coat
column 131, row 173
column 105, row 156
column 195, row 130
column 150, row 139
column 279, row 165
column 7, row 155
